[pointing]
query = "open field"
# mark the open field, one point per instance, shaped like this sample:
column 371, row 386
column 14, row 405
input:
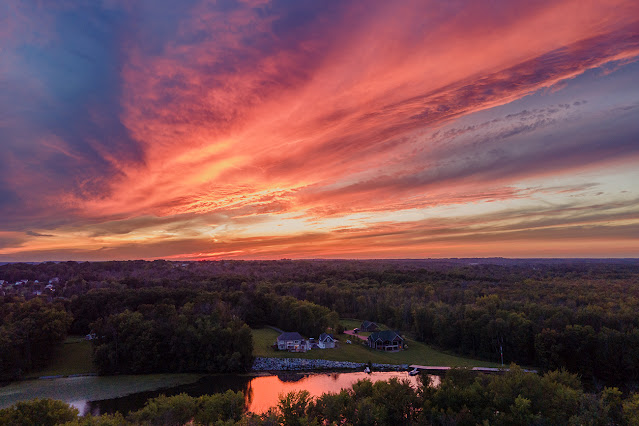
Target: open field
column 417, row 353
column 74, row 356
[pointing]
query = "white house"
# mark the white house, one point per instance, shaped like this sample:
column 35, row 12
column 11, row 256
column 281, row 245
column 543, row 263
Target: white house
column 292, row 342
column 326, row 341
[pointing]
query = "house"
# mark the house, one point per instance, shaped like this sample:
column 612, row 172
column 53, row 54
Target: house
column 292, row 342
column 387, row 340
column 368, row 326
column 326, row 341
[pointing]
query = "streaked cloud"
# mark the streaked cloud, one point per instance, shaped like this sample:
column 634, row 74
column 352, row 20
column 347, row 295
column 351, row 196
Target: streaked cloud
column 318, row 129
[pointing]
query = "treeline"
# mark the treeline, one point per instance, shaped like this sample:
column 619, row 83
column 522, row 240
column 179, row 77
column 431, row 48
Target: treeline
column 256, row 308
column 462, row 398
column 29, row 334
column 186, row 330
column 223, row 409
column 584, row 319
column 196, row 337
column 577, row 314
column 158, row 329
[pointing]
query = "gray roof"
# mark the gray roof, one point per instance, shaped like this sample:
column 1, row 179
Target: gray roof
column 294, row 335
column 385, row 335
column 323, row 336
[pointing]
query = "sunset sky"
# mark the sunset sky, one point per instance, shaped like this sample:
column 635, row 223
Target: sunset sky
column 258, row 129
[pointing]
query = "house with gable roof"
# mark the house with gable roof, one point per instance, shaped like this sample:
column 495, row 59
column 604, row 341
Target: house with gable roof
column 326, row 341
column 292, row 342
column 387, row 340
column 368, row 326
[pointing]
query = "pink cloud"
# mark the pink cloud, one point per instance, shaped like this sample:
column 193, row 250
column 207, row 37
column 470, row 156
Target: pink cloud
column 254, row 111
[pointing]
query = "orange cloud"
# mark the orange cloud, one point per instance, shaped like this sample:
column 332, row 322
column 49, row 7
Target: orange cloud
column 253, row 115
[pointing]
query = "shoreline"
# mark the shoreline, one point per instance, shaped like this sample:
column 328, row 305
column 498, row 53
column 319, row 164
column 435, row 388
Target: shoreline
column 265, row 364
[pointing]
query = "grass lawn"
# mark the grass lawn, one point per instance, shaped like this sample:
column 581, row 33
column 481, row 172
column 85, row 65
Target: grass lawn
column 350, row 323
column 74, row 356
column 417, row 353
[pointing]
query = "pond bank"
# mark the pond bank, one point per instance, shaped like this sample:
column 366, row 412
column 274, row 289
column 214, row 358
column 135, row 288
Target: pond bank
column 302, row 364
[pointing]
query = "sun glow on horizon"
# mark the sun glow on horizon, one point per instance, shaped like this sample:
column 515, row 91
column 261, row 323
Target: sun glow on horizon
column 350, row 131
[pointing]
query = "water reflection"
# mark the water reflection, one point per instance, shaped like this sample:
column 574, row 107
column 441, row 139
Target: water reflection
column 206, row 385
column 260, row 393
column 265, row 391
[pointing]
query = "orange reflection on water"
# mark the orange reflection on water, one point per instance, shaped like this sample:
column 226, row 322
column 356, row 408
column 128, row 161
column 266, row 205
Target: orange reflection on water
column 264, row 392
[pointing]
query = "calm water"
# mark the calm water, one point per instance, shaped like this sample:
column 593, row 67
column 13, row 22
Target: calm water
column 261, row 393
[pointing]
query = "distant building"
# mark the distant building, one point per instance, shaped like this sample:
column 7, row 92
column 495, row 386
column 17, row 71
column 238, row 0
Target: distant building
column 292, row 342
column 387, row 340
column 368, row 326
column 326, row 341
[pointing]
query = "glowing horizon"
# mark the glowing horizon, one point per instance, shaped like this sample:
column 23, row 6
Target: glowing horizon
column 300, row 129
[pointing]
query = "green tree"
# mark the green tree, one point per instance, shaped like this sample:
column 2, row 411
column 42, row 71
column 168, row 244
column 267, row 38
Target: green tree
column 40, row 412
column 220, row 407
column 166, row 410
column 292, row 408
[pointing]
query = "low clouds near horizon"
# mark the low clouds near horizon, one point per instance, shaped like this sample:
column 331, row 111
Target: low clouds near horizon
column 268, row 129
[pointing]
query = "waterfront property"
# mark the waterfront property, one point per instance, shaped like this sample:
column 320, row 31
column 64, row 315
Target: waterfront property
column 292, row 342
column 326, row 341
column 387, row 340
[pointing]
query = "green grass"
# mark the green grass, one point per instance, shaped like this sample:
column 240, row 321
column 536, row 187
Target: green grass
column 350, row 323
column 74, row 356
column 417, row 352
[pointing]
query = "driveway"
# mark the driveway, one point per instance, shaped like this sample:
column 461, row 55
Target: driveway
column 351, row 333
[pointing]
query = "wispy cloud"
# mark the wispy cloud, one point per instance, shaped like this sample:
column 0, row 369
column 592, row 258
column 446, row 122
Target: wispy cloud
column 194, row 129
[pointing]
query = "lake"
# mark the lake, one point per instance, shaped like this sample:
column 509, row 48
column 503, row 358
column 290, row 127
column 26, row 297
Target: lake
column 98, row 395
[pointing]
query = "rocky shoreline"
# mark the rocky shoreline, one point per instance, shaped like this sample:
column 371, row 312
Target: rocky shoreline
column 301, row 364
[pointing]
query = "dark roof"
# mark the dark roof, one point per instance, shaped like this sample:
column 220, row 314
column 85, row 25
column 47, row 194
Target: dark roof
column 368, row 324
column 385, row 335
column 294, row 335
column 325, row 335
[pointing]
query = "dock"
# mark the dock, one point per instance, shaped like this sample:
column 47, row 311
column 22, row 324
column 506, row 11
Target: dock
column 480, row 369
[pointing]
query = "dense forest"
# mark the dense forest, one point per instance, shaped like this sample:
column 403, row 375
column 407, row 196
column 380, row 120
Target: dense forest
column 28, row 333
column 462, row 398
column 581, row 315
